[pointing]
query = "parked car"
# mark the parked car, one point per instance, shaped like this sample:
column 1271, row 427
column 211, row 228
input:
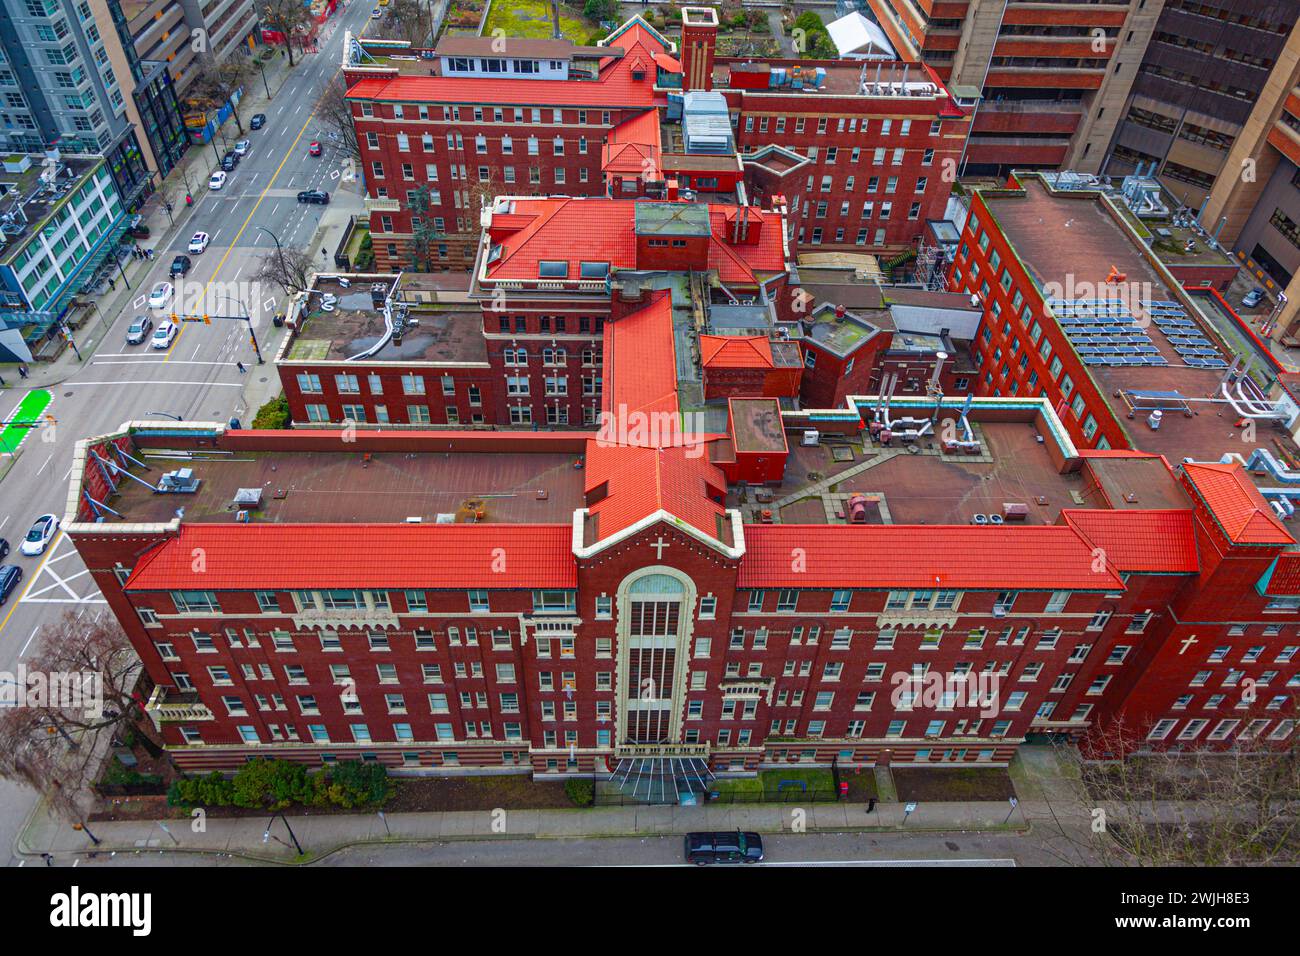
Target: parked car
column 258, row 121
column 40, row 536
column 4, row 548
column 318, row 196
column 229, row 161
column 243, row 147
column 161, row 295
column 139, row 330
column 10, row 576
column 164, row 335
column 1253, row 298
column 703, row 849
column 314, row 149
column 218, row 180
column 180, row 265
column 198, row 242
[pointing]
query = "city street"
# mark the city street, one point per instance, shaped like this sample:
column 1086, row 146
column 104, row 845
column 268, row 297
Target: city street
column 197, row 377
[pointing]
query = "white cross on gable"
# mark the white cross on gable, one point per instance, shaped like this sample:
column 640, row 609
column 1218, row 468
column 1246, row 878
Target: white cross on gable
column 659, row 544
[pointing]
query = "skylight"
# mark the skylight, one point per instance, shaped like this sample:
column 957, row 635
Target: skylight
column 553, row 269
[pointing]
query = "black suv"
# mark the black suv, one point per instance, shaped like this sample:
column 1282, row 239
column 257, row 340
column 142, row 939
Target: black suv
column 10, row 576
column 258, row 121
column 180, row 266
column 318, row 196
column 733, row 847
column 230, row 161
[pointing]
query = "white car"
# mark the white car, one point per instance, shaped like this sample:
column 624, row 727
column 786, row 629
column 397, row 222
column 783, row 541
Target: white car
column 243, row 147
column 39, row 538
column 163, row 335
column 198, row 242
column 161, row 295
column 218, row 179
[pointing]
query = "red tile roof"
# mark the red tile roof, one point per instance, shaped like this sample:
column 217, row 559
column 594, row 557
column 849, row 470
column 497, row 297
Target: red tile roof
column 603, row 230
column 641, row 362
column 639, row 454
column 961, row 557
column 736, row 351
column 1236, row 503
column 301, row 556
column 1285, row 578
column 1145, row 542
column 614, row 87
column 632, row 148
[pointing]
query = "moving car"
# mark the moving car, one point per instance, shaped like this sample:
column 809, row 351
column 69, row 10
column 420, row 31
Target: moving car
column 39, row 538
column 218, row 180
column 198, row 242
column 314, row 149
column 703, row 849
column 318, row 196
column 161, row 295
column 139, row 330
column 166, row 332
column 4, row 548
column 1253, row 298
column 376, row 13
column 180, row 265
column 258, row 121
column 243, row 147
column 10, row 575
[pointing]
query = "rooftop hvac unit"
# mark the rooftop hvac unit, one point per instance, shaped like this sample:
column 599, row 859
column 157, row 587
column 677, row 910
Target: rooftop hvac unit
column 249, row 498
column 995, row 518
column 414, row 519
column 178, row 482
column 811, row 437
column 979, row 519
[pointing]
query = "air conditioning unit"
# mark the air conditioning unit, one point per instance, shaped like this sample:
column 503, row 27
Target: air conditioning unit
column 999, row 611
column 811, row 437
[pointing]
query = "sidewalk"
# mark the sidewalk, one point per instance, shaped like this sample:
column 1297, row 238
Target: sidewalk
column 327, row 833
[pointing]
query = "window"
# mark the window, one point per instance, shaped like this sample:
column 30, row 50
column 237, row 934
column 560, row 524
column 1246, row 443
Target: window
column 478, row 601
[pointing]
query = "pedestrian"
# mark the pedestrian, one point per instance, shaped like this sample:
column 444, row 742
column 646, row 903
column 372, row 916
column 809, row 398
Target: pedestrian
column 871, row 804
column 48, row 858
column 148, row 254
column 241, row 367
column 22, row 370
column 110, row 284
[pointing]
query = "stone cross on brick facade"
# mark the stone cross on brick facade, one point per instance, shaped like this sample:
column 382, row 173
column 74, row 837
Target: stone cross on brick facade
column 659, row 544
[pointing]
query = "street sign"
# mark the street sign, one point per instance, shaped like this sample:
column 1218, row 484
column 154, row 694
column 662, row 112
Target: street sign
column 909, row 808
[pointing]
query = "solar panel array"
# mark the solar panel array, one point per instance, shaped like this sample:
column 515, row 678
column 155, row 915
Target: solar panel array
column 1105, row 332
column 1185, row 335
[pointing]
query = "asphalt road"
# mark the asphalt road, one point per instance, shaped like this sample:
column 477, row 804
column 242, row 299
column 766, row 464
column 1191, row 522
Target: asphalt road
column 782, row 850
column 197, row 377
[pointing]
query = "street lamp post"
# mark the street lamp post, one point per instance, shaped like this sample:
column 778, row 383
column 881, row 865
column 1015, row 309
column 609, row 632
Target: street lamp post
column 166, row 415
column 262, row 68
column 86, row 830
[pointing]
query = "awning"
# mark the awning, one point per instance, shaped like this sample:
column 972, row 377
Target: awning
column 661, row 779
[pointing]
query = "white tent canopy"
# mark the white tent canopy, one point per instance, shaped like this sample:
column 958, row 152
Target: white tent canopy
column 857, row 37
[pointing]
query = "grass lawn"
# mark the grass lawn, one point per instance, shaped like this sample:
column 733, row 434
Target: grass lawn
column 355, row 240
column 737, row 785
column 817, row 778
column 532, row 18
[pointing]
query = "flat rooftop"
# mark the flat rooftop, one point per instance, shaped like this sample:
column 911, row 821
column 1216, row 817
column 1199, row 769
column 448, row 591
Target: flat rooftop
column 927, row 488
column 445, row 333
column 31, row 200
column 1073, row 242
column 343, row 487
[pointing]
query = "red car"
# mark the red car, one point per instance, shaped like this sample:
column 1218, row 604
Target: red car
column 314, row 149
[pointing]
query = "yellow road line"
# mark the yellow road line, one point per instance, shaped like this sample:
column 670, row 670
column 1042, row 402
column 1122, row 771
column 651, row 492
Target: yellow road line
column 230, row 248
column 32, row 580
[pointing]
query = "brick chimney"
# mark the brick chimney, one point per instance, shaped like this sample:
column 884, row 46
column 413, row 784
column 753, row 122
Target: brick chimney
column 699, row 41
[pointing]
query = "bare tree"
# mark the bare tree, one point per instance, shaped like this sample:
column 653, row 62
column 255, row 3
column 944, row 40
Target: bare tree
column 1198, row 806
column 290, row 269
column 409, row 20
column 289, row 17
column 335, row 114
column 218, row 81
column 80, row 690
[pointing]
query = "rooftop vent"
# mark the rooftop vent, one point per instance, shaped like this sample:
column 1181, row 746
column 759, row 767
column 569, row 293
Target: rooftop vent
column 248, row 498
